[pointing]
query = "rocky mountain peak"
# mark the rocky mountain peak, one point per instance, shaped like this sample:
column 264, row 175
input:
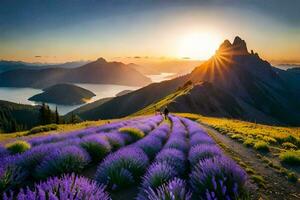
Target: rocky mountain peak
column 102, row 60
column 238, row 47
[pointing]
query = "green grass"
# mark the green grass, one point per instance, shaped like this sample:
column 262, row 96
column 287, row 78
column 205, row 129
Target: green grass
column 259, row 180
column 249, row 142
column 288, row 145
column 44, row 128
column 261, row 146
column 18, row 146
column 133, row 132
column 274, row 135
column 290, row 157
column 292, row 177
column 282, row 143
column 164, row 102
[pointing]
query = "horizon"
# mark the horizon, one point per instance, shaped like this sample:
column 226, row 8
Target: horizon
column 57, row 32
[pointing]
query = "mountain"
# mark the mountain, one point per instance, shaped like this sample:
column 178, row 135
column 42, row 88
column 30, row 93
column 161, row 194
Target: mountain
column 13, row 65
column 294, row 69
column 123, row 92
column 98, row 72
column 16, row 117
column 87, row 107
column 64, row 94
column 233, row 83
column 155, row 67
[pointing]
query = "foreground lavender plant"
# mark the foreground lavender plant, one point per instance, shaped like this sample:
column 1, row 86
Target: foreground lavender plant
column 115, row 139
column 68, row 187
column 203, row 151
column 218, row 178
column 177, row 143
column 201, row 138
column 151, row 145
column 122, row 168
column 65, row 160
column 3, row 151
column 174, row 158
column 96, row 146
column 157, row 174
column 173, row 190
column 10, row 173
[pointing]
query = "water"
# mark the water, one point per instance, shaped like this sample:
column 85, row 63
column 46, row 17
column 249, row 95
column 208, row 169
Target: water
column 21, row 95
column 161, row 77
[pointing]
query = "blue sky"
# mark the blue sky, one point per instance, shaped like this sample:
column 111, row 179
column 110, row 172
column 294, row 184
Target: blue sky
column 86, row 29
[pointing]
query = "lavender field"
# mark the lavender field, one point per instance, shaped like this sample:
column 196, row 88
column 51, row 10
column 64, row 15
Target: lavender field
column 162, row 159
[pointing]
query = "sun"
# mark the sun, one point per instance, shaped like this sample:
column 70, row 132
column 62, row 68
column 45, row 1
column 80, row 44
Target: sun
column 198, row 46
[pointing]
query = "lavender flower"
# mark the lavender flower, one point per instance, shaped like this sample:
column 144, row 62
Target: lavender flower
column 173, row 157
column 157, row 174
column 10, row 173
column 131, row 159
column 173, row 190
column 177, row 143
column 3, row 151
column 68, row 187
column 96, row 146
column 218, row 178
column 115, row 139
column 151, row 145
column 65, row 160
column 201, row 152
column 201, row 138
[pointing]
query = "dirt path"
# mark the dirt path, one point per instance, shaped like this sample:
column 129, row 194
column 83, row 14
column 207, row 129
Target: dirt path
column 276, row 185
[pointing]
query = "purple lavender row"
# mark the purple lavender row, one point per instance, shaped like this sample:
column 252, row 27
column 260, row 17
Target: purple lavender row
column 100, row 129
column 162, row 178
column 213, row 175
column 125, row 167
column 67, row 187
column 66, row 156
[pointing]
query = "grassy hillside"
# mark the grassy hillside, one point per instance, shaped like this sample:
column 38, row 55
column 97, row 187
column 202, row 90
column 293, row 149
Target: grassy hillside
column 60, row 128
column 277, row 146
column 165, row 101
column 89, row 106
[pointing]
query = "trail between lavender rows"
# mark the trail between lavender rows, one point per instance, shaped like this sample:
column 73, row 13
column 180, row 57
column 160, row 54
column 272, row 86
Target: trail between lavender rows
column 277, row 186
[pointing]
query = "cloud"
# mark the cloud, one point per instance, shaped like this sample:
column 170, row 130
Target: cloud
column 38, row 56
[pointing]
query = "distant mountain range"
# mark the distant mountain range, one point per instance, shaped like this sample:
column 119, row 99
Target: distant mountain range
column 13, row 65
column 63, row 94
column 233, row 83
column 98, row 72
column 176, row 67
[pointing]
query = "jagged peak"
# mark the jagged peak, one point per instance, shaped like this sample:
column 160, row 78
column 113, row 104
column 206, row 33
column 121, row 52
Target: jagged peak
column 225, row 45
column 101, row 59
column 238, row 47
column 237, row 40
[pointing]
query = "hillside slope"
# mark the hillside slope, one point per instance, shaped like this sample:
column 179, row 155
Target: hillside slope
column 98, row 72
column 15, row 117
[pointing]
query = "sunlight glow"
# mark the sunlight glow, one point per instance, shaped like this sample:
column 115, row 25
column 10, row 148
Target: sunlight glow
column 199, row 45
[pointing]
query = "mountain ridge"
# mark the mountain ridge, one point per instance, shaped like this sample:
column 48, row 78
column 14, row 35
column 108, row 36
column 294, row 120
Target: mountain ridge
column 263, row 92
column 98, row 72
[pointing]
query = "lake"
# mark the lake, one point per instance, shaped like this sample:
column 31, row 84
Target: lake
column 21, row 95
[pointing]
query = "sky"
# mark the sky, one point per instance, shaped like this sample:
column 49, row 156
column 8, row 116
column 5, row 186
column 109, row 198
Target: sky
column 59, row 31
